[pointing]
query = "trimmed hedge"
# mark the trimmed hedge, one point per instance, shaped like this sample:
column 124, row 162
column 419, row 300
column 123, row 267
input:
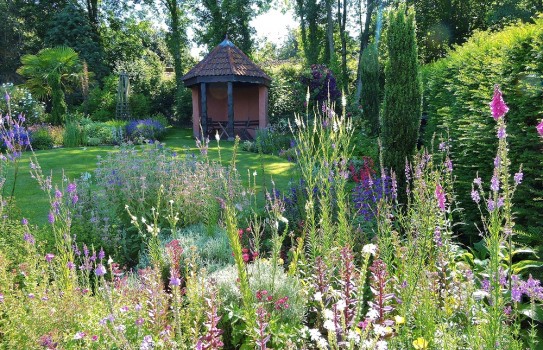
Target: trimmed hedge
column 457, row 92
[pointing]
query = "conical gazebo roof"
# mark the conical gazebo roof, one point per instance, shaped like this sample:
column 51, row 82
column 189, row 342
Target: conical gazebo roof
column 225, row 63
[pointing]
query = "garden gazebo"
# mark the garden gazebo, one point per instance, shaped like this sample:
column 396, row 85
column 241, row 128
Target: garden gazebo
column 229, row 93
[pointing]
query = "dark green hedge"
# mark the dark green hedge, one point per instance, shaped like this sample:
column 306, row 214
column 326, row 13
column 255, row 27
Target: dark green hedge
column 457, row 92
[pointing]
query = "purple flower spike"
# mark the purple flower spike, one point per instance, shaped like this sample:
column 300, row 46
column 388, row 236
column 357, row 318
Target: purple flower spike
column 49, row 257
column 518, row 178
column 175, row 281
column 51, row 217
column 498, row 106
column 101, row 254
column 501, row 133
column 6, row 96
column 71, row 187
column 29, row 238
column 495, row 183
column 24, row 221
column 100, row 270
column 475, row 196
column 440, row 196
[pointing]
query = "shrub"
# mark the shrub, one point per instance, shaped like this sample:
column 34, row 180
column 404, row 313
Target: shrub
column 22, row 102
column 273, row 139
column 140, row 105
column 40, row 137
column 286, row 94
column 402, row 102
column 458, row 89
column 322, row 84
column 145, row 129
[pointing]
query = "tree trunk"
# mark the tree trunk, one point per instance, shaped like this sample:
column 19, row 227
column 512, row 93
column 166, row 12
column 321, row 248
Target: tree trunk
column 364, row 39
column 342, row 20
column 330, row 50
column 175, row 49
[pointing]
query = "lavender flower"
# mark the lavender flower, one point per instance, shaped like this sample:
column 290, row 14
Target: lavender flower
column 498, row 106
column 49, row 257
column 101, row 254
column 175, row 281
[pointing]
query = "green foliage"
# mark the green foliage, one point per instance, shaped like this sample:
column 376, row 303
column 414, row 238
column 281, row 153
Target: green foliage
column 49, row 73
column 22, row 102
column 72, row 136
column 402, row 102
column 370, row 97
column 71, row 28
column 140, row 106
column 286, row 94
column 458, row 89
column 40, row 138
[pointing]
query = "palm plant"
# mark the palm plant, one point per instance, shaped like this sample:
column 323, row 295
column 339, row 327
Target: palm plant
column 49, row 74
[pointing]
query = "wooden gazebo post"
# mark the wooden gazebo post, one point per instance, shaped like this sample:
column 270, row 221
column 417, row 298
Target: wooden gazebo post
column 203, row 114
column 230, row 127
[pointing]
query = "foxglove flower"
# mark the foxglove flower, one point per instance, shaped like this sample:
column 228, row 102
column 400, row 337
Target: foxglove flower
column 539, row 128
column 440, row 196
column 498, row 106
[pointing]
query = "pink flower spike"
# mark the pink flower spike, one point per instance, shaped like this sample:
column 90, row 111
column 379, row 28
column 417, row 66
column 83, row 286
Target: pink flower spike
column 539, row 128
column 497, row 105
column 440, row 196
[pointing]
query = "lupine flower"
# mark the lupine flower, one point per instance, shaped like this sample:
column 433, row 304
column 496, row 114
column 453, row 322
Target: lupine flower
column 498, row 106
column 539, row 128
column 518, row 177
column 49, row 257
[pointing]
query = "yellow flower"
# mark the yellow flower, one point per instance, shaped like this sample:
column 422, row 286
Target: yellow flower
column 420, row 343
column 399, row 320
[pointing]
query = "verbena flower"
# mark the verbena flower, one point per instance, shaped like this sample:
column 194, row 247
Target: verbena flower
column 497, row 105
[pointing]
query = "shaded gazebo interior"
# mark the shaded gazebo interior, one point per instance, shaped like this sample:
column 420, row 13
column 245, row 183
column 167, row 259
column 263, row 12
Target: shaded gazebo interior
column 229, row 94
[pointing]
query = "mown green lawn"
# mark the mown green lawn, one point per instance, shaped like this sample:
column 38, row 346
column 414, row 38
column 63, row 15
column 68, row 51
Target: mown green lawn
column 33, row 204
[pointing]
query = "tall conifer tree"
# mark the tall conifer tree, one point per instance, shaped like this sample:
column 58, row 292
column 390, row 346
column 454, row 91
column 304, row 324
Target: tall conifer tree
column 402, row 102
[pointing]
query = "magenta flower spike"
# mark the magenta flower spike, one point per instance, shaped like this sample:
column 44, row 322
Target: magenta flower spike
column 497, row 105
column 539, row 128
